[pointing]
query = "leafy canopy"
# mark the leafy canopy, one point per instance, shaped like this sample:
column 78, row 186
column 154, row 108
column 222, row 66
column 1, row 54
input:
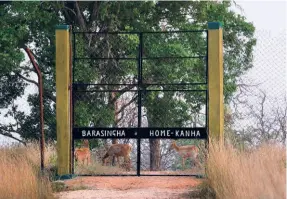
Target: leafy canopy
column 32, row 24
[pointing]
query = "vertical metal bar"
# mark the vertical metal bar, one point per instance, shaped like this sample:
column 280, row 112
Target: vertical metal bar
column 73, row 152
column 206, row 115
column 73, row 103
column 206, row 59
column 71, row 95
column 74, row 55
column 42, row 145
column 207, row 91
column 207, row 102
column 139, row 103
column 41, row 105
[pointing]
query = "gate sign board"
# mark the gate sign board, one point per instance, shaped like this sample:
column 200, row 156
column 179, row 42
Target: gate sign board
column 164, row 133
column 106, row 91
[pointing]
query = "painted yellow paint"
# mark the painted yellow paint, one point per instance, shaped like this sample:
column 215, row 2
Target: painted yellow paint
column 215, row 84
column 62, row 100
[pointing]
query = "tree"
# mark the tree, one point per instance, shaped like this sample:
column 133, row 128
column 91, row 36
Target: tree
column 21, row 22
column 267, row 121
column 38, row 19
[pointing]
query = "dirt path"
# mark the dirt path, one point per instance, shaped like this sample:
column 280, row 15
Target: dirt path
column 130, row 187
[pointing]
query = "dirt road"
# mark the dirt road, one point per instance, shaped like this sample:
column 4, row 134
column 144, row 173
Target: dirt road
column 130, row 187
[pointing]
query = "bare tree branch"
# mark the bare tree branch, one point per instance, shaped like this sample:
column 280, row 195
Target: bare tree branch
column 8, row 133
column 28, row 80
column 12, row 137
column 80, row 16
column 49, row 95
column 94, row 12
column 126, row 105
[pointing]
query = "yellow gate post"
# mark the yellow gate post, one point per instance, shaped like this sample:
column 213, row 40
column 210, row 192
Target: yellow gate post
column 62, row 99
column 215, row 81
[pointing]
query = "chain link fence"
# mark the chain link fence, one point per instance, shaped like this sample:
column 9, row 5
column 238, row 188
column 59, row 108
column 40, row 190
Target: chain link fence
column 258, row 110
column 158, row 77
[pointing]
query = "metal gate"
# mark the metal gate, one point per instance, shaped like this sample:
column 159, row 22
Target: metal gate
column 139, row 85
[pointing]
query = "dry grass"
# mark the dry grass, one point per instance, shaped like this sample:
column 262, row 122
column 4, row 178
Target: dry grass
column 96, row 168
column 20, row 174
column 232, row 173
column 254, row 174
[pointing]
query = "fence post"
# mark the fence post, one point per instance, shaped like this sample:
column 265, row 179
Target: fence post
column 63, row 98
column 215, row 81
column 41, row 105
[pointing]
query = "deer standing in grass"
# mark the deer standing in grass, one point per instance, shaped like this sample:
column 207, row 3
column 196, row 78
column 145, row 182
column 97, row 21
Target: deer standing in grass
column 188, row 151
column 83, row 154
column 118, row 150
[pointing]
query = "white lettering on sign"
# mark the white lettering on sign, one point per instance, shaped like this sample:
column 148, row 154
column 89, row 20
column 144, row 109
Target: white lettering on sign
column 103, row 133
column 157, row 133
column 176, row 133
column 187, row 133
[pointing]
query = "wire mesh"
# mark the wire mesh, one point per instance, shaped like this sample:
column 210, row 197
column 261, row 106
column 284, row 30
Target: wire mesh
column 136, row 80
column 259, row 107
column 169, row 63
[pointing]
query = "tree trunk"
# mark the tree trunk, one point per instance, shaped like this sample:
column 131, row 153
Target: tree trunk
column 115, row 141
column 154, row 154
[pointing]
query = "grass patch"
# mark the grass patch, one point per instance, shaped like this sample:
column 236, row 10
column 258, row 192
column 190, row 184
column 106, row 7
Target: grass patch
column 96, row 168
column 59, row 186
column 20, row 173
column 250, row 174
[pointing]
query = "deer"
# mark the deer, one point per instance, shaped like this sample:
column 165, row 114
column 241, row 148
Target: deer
column 83, row 154
column 187, row 151
column 118, row 150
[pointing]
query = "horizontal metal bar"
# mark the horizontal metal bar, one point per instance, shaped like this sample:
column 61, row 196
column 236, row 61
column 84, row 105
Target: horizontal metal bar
column 106, row 33
column 176, row 31
column 143, row 138
column 180, row 90
column 151, row 90
column 133, row 138
column 112, row 84
column 137, row 32
column 105, row 58
column 187, row 57
column 115, row 175
column 143, row 175
column 175, row 84
column 149, row 84
column 102, row 91
column 133, row 58
column 173, row 175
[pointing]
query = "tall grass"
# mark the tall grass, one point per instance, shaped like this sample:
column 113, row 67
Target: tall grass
column 20, row 175
column 250, row 174
column 96, row 168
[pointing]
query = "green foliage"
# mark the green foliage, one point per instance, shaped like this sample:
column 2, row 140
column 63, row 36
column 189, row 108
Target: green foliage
column 32, row 24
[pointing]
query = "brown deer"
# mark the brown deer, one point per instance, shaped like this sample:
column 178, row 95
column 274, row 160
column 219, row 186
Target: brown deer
column 118, row 150
column 83, row 154
column 188, row 151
